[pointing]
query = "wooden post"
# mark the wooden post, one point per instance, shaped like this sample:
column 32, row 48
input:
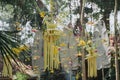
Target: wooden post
column 116, row 44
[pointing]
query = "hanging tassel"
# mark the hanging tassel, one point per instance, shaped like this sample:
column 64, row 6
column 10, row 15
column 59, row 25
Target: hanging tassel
column 92, row 66
column 48, row 55
column 54, row 61
column 51, row 56
column 45, row 52
column 52, row 49
column 56, row 57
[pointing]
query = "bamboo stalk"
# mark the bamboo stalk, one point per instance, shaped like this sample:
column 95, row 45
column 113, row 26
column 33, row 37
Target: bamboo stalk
column 82, row 2
column 116, row 45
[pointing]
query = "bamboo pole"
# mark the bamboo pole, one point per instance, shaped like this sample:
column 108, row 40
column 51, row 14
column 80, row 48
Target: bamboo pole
column 82, row 4
column 116, row 45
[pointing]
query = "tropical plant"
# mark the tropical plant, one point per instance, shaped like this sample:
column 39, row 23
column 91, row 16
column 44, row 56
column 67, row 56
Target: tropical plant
column 16, row 14
column 23, row 11
column 10, row 49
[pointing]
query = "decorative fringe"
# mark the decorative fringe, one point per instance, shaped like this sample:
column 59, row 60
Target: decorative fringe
column 92, row 66
column 51, row 53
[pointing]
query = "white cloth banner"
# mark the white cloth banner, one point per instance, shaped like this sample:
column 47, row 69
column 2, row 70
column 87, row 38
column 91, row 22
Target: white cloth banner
column 101, row 40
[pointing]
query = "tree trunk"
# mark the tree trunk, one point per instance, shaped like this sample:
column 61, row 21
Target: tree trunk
column 116, row 45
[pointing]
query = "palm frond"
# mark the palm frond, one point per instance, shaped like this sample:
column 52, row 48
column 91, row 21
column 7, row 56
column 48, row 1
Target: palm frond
column 8, row 42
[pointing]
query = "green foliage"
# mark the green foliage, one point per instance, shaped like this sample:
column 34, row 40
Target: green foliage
column 21, row 76
column 96, row 15
column 23, row 11
column 76, row 11
column 88, row 10
column 62, row 5
column 106, row 7
column 59, row 5
column 106, row 4
column 8, row 42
